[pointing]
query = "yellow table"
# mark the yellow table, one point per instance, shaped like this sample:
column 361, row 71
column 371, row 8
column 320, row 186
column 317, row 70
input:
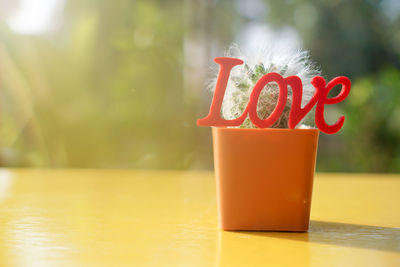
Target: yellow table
column 167, row 218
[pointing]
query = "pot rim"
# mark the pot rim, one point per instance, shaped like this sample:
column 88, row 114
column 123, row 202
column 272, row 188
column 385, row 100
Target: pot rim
column 286, row 130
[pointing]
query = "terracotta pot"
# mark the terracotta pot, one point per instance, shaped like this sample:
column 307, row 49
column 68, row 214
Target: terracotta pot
column 264, row 177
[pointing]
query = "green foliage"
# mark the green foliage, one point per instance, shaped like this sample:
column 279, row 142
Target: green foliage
column 104, row 91
column 372, row 131
column 108, row 90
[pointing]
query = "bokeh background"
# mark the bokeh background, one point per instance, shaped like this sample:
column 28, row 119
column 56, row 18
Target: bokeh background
column 120, row 84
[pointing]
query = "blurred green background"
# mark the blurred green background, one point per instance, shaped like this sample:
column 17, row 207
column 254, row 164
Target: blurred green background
column 120, row 84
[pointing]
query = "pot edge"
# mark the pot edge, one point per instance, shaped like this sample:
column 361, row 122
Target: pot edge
column 265, row 129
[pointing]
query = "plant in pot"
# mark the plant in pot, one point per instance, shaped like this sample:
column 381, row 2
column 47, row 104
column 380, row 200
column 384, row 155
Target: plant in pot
column 264, row 158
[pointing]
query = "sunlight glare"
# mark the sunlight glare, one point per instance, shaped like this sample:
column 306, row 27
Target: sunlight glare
column 35, row 17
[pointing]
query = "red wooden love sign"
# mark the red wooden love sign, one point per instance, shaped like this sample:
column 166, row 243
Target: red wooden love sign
column 297, row 113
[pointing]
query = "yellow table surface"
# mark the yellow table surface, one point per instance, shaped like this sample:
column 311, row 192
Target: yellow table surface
column 168, row 218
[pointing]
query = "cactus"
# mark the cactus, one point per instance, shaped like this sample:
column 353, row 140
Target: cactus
column 243, row 78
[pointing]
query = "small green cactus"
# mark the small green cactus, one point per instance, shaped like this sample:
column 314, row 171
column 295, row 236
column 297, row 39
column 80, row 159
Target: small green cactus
column 244, row 77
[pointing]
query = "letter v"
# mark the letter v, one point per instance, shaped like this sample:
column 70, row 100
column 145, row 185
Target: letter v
column 297, row 113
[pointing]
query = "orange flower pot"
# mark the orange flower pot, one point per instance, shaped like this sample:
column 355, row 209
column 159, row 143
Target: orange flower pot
column 264, row 177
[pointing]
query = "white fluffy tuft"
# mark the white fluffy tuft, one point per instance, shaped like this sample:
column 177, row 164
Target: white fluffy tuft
column 283, row 60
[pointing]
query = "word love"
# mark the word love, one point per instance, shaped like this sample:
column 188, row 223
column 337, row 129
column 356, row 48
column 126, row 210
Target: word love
column 297, row 113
